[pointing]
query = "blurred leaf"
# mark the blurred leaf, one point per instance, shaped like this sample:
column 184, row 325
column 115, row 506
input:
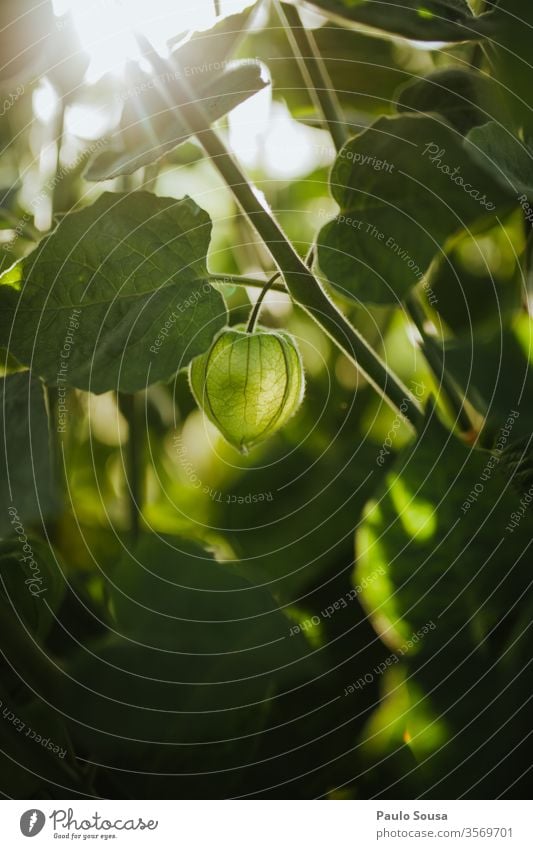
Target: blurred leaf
column 197, row 654
column 154, row 121
column 430, row 20
column 509, row 53
column 33, row 751
column 133, row 266
column 218, row 43
column 291, row 520
column 405, row 186
column 26, row 29
column 70, row 61
column 365, row 71
column 26, row 478
column 453, row 586
column 478, row 285
column 152, row 125
column 495, row 371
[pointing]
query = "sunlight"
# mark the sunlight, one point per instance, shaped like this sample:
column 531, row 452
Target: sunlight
column 106, row 28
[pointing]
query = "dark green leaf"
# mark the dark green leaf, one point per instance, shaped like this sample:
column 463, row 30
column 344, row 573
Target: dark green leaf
column 497, row 150
column 199, row 651
column 425, row 20
column 26, row 481
column 509, row 53
column 461, row 97
column 404, row 186
column 116, row 297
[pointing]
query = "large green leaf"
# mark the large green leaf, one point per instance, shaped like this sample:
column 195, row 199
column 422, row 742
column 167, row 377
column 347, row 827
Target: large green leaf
column 27, row 490
column 154, row 121
column 117, row 297
column 425, row 20
column 404, row 186
column 455, row 584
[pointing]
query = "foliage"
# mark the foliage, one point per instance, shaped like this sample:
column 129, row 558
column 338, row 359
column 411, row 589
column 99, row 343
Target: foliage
column 287, row 559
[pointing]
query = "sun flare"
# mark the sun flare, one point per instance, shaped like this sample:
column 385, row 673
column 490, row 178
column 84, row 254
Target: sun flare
column 106, row 28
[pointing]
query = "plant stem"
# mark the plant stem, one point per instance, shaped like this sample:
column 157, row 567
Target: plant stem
column 252, row 321
column 314, row 73
column 129, row 404
column 303, row 286
column 436, row 363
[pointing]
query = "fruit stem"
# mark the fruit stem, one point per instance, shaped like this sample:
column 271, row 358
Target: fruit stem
column 303, row 286
column 252, row 321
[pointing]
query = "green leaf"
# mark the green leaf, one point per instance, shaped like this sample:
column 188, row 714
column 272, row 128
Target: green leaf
column 497, row 150
column 404, row 187
column 154, row 121
column 31, row 582
column 425, row 20
column 454, row 584
column 26, row 478
column 117, row 297
column 152, row 125
column 463, row 98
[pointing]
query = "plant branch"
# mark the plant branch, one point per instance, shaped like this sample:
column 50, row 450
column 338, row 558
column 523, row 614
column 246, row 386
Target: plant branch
column 303, row 286
column 314, row 73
